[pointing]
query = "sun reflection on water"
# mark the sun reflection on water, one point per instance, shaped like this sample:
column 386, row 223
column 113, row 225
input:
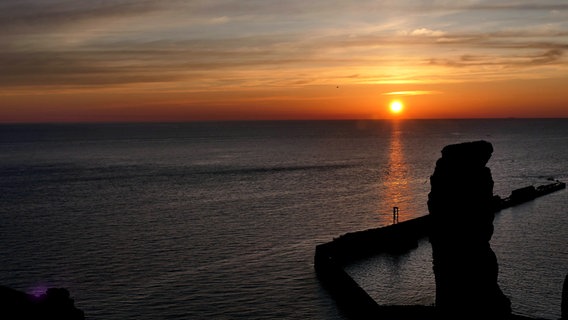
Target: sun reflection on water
column 396, row 181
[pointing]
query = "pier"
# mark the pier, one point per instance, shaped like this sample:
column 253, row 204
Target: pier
column 396, row 238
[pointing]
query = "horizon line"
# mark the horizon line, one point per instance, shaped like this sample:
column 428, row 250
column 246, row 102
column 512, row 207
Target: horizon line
column 266, row 120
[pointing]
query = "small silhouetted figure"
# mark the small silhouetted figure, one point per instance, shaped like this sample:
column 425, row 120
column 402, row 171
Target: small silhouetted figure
column 394, row 215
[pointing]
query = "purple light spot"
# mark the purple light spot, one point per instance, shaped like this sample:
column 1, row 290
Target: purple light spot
column 38, row 291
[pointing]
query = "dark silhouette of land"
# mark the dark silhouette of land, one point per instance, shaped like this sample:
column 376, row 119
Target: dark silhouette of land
column 56, row 303
column 459, row 226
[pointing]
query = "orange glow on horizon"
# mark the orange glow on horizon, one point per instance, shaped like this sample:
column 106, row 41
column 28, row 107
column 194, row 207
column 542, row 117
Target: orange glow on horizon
column 520, row 99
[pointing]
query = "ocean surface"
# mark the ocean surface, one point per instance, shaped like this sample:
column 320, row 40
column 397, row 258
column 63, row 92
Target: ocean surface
column 220, row 220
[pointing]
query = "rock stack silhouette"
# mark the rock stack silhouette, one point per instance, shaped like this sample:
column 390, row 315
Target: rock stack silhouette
column 462, row 207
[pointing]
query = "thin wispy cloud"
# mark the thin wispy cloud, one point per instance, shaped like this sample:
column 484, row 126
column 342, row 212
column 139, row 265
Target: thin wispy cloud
column 411, row 93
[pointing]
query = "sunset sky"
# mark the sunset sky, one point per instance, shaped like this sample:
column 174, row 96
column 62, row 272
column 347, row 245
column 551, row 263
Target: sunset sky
column 173, row 60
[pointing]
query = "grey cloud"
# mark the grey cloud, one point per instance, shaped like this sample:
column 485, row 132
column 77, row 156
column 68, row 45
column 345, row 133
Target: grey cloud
column 549, row 57
column 71, row 69
column 135, row 62
column 519, row 6
column 40, row 16
column 124, row 62
column 102, row 61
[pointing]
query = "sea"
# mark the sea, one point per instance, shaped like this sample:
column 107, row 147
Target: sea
column 220, row 220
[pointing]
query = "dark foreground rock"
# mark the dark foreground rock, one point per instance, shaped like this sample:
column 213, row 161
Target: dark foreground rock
column 56, row 303
column 462, row 206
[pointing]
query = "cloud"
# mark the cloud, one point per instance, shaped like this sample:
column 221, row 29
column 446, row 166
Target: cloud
column 425, row 33
column 219, row 20
column 72, row 69
column 515, row 5
column 260, row 42
column 40, row 16
column 549, row 57
column 411, row 93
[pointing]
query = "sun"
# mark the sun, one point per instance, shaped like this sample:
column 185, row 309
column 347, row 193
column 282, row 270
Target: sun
column 396, row 107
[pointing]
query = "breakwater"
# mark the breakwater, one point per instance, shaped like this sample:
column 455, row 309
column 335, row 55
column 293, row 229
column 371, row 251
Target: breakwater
column 330, row 259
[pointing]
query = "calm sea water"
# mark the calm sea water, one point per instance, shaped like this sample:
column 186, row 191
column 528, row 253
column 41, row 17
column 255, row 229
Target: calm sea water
column 220, row 220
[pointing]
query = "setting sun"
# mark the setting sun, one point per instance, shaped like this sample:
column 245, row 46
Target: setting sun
column 396, row 107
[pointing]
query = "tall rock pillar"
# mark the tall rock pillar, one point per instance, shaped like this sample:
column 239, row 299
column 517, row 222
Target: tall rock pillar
column 462, row 207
